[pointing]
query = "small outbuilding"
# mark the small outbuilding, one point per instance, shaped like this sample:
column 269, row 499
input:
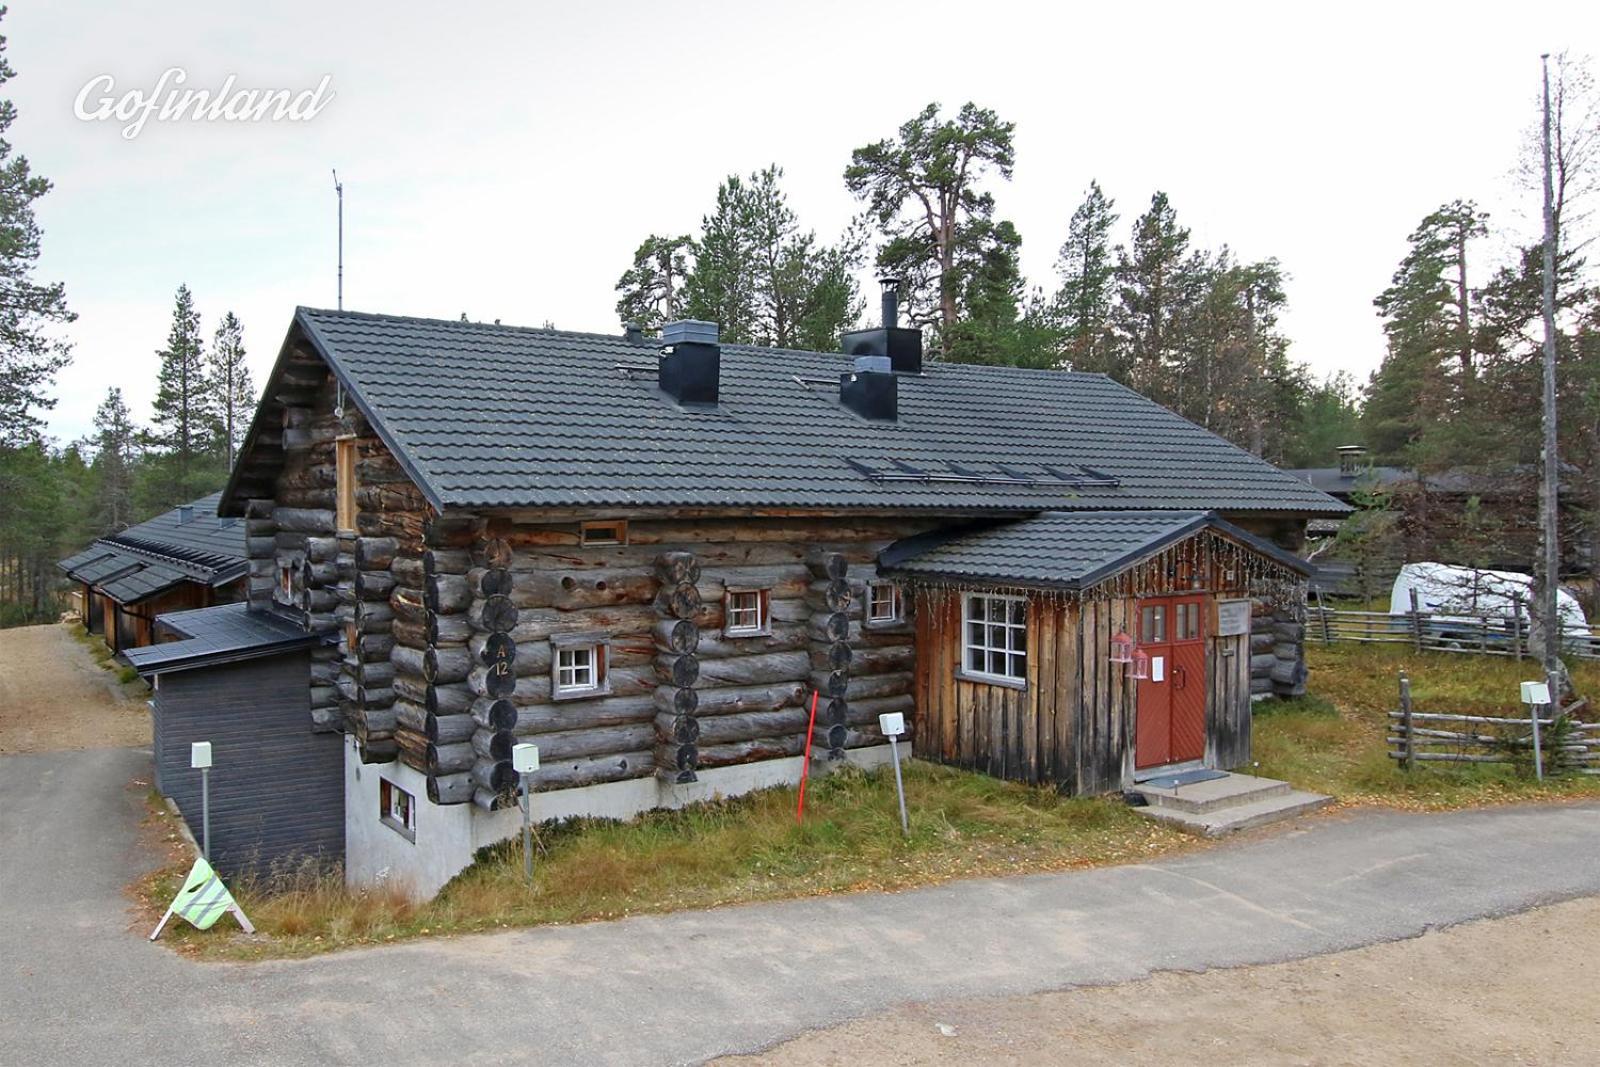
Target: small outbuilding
column 184, row 558
column 237, row 679
column 1089, row 650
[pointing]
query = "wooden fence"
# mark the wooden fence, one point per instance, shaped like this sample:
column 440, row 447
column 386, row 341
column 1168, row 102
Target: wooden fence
column 1565, row 744
column 1487, row 635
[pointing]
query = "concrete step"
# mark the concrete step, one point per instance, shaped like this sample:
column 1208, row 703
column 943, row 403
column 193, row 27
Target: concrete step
column 1241, row 816
column 1216, row 794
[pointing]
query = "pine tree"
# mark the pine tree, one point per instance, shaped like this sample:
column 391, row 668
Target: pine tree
column 29, row 356
column 115, row 439
column 921, row 189
column 1427, row 378
column 1088, row 272
column 651, row 287
column 232, row 392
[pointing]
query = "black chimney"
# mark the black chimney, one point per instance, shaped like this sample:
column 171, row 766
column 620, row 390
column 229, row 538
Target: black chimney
column 902, row 345
column 871, row 391
column 691, row 362
column 633, row 333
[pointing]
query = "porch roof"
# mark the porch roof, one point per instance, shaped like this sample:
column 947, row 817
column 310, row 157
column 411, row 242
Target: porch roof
column 1062, row 550
column 222, row 634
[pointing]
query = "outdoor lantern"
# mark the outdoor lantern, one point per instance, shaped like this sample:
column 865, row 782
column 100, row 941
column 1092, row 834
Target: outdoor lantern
column 1122, row 648
column 1141, row 663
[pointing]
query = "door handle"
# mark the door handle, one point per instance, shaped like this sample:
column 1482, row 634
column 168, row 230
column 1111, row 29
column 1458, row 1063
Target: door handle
column 1180, row 679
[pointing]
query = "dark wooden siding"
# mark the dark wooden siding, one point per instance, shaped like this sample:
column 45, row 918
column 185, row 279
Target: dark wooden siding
column 277, row 788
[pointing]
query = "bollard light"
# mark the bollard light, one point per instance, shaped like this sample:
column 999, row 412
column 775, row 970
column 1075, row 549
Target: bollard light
column 893, row 724
column 1536, row 695
column 524, row 758
column 200, row 760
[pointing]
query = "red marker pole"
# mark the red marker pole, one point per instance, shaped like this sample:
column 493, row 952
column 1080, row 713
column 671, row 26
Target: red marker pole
column 805, row 768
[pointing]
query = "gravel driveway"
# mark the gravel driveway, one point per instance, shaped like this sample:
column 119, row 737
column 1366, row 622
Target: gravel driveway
column 53, row 696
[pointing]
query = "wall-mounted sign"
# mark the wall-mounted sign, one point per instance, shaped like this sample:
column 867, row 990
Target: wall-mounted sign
column 1233, row 618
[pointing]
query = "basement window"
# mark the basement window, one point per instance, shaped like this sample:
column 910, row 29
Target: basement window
column 606, row 532
column 994, row 639
column 397, row 809
column 578, row 665
column 345, row 477
column 747, row 613
column 884, row 606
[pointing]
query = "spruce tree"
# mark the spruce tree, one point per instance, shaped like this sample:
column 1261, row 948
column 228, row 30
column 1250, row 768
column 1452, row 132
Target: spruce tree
column 29, row 355
column 1157, row 281
column 182, row 412
column 233, row 394
column 115, row 441
column 1088, row 270
column 766, row 280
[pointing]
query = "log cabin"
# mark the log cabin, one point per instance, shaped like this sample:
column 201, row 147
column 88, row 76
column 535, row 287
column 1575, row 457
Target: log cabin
column 649, row 555
column 184, row 558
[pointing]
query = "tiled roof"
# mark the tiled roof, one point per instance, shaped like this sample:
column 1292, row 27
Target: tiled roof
column 499, row 416
column 220, row 634
column 187, row 544
column 1071, row 550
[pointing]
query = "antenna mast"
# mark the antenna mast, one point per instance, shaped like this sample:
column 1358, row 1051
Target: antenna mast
column 338, row 189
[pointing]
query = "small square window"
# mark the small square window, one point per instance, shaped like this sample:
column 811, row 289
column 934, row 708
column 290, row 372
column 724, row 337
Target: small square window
column 883, row 603
column 746, row 611
column 578, row 665
column 397, row 809
column 606, row 532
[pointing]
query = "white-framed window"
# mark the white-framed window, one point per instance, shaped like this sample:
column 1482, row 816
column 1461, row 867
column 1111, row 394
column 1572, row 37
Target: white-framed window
column 883, row 603
column 578, row 665
column 994, row 638
column 397, row 809
column 604, row 532
column 746, row 612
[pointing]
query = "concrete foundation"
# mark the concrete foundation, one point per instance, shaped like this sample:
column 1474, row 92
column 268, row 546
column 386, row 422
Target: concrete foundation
column 448, row 836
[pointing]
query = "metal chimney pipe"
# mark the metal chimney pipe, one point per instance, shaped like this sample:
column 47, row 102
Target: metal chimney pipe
column 891, row 301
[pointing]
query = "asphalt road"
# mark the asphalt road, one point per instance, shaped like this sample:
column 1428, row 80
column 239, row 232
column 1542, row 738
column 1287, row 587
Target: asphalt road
column 78, row 985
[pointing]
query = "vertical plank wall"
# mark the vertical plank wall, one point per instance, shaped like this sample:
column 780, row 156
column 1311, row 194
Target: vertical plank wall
column 1073, row 724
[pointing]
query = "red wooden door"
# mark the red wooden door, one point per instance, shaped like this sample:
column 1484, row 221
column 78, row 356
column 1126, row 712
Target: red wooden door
column 1188, row 679
column 1152, row 744
column 1170, row 726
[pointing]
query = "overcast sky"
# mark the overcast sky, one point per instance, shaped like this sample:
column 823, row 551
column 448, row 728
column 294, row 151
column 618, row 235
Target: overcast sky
column 504, row 159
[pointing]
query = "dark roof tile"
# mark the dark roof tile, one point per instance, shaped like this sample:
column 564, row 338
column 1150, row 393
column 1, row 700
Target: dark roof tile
column 500, row 416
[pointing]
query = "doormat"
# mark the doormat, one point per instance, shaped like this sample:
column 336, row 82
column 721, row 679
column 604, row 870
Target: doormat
column 1173, row 781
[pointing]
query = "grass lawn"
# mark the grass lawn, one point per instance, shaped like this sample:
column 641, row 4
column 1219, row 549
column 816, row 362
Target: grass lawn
column 1332, row 740
column 745, row 849
column 962, row 825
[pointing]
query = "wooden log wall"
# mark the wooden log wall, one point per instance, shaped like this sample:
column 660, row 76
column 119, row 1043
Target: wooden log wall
column 296, row 528
column 682, row 696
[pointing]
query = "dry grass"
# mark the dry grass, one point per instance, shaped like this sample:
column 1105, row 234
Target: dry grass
column 1332, row 741
column 745, row 849
column 963, row 825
